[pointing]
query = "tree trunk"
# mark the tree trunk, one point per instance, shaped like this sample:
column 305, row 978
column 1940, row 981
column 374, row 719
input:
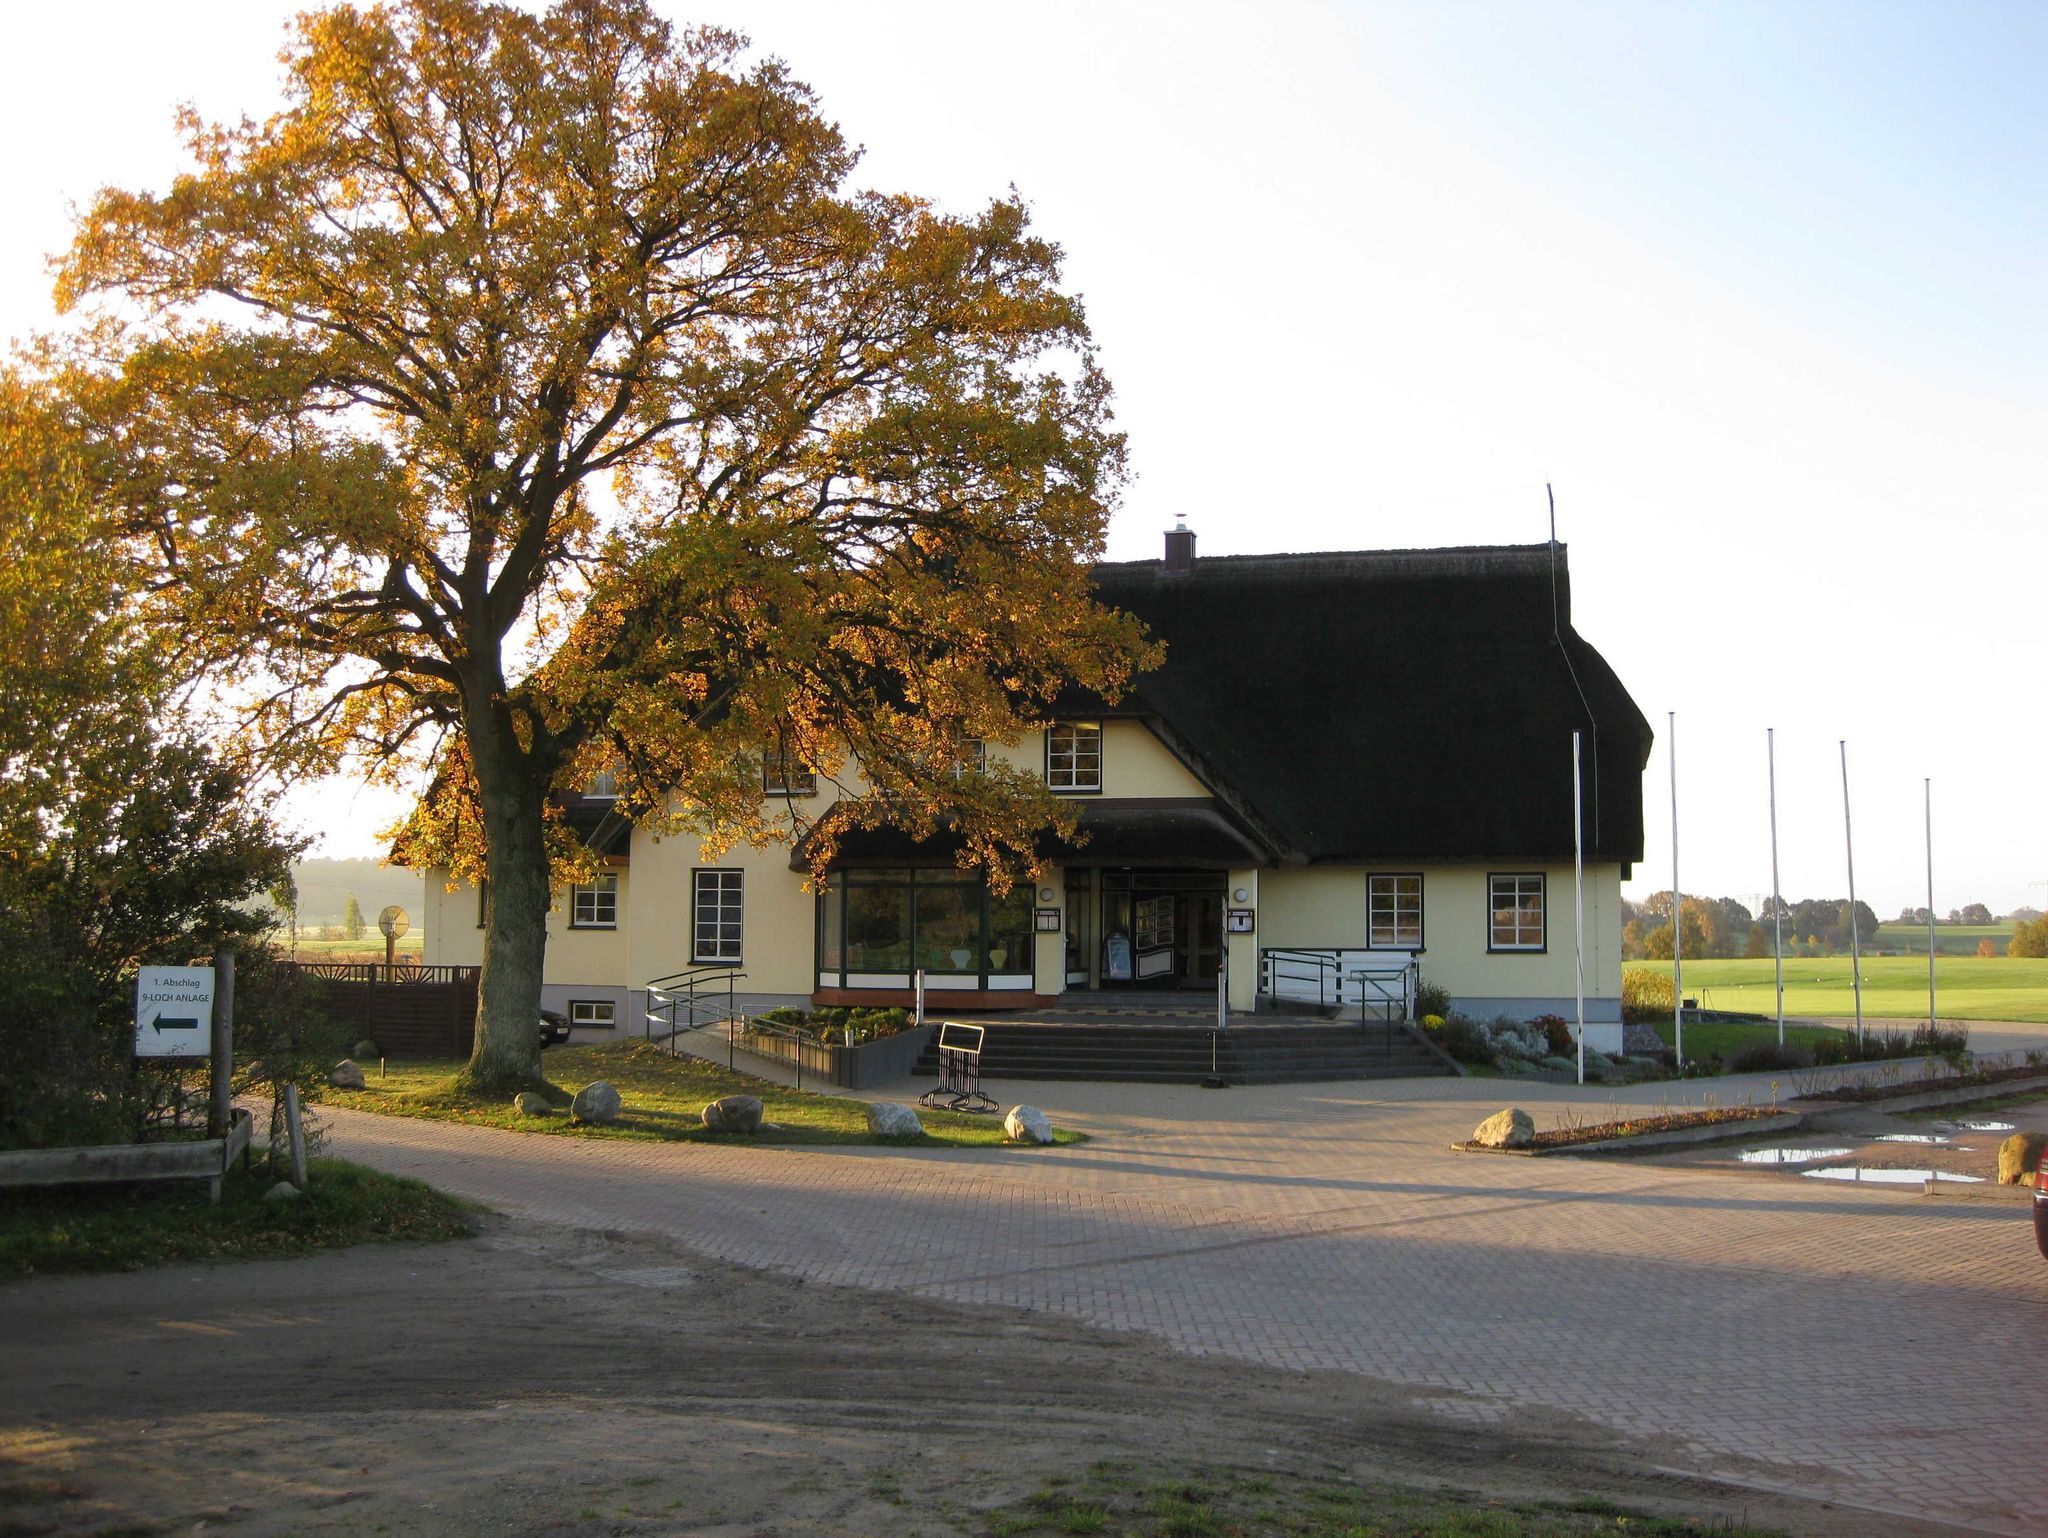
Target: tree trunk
column 506, row 1057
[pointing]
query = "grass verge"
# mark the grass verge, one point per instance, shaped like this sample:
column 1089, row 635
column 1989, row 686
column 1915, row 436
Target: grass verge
column 664, row 1097
column 1724, row 1038
column 55, row 1229
column 1114, row 1500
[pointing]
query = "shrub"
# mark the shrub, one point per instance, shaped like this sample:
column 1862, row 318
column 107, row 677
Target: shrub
column 1645, row 996
column 1768, row 1057
column 878, row 1022
column 1517, row 1038
column 1466, row 1040
column 1557, row 1032
column 1835, row 1048
column 1430, row 999
column 830, row 1015
column 786, row 1015
column 363, row 1050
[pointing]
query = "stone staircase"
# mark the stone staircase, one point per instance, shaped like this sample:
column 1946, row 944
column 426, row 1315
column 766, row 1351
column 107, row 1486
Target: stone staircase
column 1181, row 1054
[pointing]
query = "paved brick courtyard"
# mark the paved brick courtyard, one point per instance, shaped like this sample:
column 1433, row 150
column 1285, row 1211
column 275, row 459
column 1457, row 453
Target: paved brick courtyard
column 1872, row 1346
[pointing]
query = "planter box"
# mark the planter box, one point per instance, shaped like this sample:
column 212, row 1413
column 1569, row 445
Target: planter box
column 881, row 1061
column 1675, row 1137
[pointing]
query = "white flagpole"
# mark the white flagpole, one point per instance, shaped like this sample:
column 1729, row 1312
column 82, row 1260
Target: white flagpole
column 1579, row 895
column 1677, row 931
column 1927, row 793
column 1855, row 940
column 1777, row 901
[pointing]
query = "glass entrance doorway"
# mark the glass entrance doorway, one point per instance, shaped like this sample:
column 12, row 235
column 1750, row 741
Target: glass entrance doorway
column 1161, row 928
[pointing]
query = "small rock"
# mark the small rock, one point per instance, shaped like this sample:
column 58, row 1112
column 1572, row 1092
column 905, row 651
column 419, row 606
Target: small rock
column 530, row 1102
column 283, row 1191
column 347, row 1075
column 886, row 1119
column 733, row 1113
column 2018, row 1156
column 1027, row 1124
column 1511, row 1128
column 595, row 1103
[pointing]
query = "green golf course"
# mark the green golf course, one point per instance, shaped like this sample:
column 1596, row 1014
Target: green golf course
column 1966, row 987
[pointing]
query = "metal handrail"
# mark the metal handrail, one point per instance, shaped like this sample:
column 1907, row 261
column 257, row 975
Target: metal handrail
column 681, row 992
column 1324, row 965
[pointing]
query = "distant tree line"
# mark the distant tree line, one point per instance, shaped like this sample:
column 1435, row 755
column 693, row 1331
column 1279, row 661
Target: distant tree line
column 1719, row 927
column 1972, row 913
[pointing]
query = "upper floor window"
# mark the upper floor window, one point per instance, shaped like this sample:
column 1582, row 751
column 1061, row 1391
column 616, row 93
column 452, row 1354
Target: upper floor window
column 1393, row 912
column 1073, row 755
column 784, row 774
column 604, row 786
column 595, row 905
column 1517, row 913
column 970, row 756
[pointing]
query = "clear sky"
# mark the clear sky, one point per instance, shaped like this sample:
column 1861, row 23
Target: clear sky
column 1761, row 289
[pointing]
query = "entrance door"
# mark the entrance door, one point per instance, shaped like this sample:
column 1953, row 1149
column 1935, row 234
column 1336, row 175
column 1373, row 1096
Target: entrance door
column 1202, row 913
column 1161, row 928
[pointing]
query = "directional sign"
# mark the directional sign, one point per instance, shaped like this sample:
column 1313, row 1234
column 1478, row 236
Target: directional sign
column 174, row 1012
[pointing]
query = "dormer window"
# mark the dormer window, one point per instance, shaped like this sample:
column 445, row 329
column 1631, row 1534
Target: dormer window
column 784, row 774
column 1073, row 755
column 604, row 786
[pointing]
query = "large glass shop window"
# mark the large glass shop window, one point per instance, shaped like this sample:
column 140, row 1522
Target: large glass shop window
column 944, row 922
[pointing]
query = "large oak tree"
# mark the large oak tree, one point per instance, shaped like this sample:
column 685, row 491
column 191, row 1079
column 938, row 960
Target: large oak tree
column 530, row 396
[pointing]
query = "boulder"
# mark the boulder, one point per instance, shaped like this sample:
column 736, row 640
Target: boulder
column 2018, row 1156
column 596, row 1103
column 734, row 1113
column 347, row 1075
column 886, row 1119
column 1027, row 1124
column 532, row 1103
column 1511, row 1128
column 283, row 1191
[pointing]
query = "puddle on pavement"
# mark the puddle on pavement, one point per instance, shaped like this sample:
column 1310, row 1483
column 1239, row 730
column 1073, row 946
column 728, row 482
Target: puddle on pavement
column 1863, row 1176
column 1789, row 1155
column 1976, row 1124
column 1933, row 1139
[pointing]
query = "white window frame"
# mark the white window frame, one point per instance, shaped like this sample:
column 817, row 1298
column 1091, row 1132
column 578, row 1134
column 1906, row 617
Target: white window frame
column 1384, row 893
column 604, row 786
column 725, row 890
column 782, row 774
column 595, row 904
column 1518, row 887
column 1073, row 756
column 970, row 756
column 593, row 1014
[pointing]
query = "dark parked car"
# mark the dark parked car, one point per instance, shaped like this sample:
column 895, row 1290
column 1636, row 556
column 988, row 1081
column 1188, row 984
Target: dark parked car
column 554, row 1029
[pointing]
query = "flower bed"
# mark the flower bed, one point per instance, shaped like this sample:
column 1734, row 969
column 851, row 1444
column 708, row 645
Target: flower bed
column 1991, row 1080
column 1648, row 1131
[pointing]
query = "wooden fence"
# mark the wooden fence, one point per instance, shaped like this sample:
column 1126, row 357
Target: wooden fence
column 408, row 1010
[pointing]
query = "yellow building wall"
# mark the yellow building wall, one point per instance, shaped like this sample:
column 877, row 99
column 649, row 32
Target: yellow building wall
column 1135, row 764
column 1324, row 907
column 587, row 956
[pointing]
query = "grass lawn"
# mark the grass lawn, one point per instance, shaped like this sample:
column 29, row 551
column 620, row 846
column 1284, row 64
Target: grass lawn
column 1966, row 987
column 150, row 1223
column 663, row 1097
column 370, row 948
column 1949, row 939
column 1719, row 1038
column 1115, row 1498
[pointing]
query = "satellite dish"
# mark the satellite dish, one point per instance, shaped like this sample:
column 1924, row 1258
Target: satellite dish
column 393, row 922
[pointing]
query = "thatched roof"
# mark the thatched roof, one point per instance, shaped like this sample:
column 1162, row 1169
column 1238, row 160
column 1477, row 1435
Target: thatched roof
column 1389, row 705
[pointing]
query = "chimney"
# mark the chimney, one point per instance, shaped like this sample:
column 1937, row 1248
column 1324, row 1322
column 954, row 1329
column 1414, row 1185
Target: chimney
column 1180, row 549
